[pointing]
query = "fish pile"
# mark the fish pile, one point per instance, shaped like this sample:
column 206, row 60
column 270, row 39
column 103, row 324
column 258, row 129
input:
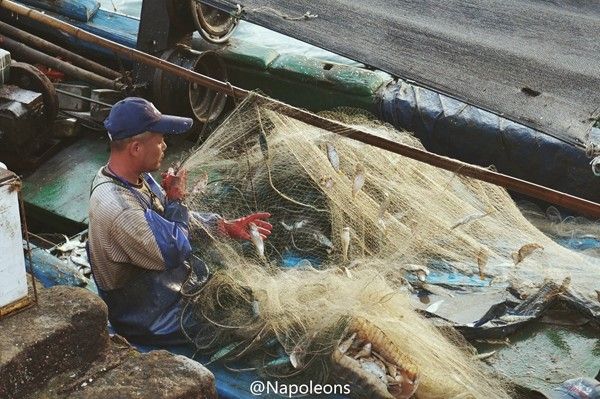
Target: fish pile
column 376, row 368
column 74, row 254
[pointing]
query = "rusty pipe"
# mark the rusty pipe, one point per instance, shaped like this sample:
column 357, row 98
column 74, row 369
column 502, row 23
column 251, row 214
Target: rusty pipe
column 52, row 49
column 25, row 53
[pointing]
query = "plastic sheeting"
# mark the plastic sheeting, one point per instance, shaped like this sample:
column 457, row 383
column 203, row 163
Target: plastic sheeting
column 453, row 128
column 533, row 61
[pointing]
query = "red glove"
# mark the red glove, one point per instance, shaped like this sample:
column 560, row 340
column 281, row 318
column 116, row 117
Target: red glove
column 239, row 228
column 174, row 183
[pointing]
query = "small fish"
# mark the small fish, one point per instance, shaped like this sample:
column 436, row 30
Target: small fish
column 300, row 224
column 434, row 307
column 345, row 345
column 373, row 368
column 525, row 251
column 296, row 357
column 345, row 242
column 469, row 219
column 365, row 351
column 321, row 239
column 295, row 226
column 347, row 272
column 257, row 240
column 201, row 184
column 359, row 179
column 334, row 159
column 327, row 182
column 80, row 261
column 482, row 259
column 70, row 245
column 287, row 226
column 221, row 353
column 256, row 308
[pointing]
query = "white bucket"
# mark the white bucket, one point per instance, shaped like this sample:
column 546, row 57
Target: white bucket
column 13, row 280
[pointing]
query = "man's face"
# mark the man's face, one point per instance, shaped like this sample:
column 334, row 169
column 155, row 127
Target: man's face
column 151, row 152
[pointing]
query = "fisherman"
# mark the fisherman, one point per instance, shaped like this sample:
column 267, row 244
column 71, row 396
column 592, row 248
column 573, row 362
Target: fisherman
column 138, row 232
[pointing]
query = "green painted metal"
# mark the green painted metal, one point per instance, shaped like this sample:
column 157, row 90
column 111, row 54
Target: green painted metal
column 301, row 81
column 542, row 356
column 57, row 194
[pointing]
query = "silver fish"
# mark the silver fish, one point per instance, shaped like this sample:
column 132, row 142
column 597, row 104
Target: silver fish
column 80, row 261
column 321, row 239
column 345, row 345
column 70, row 245
column 296, row 226
column 333, row 156
column 257, row 240
column 469, row 219
column 201, row 184
column 434, row 306
column 287, row 226
column 297, row 357
column 345, row 242
column 373, row 368
column 359, row 179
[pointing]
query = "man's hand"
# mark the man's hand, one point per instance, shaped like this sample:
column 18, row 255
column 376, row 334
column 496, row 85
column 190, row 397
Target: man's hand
column 239, row 229
column 174, row 183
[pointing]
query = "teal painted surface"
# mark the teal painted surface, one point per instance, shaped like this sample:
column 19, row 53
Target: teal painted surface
column 57, row 193
column 80, row 10
column 301, row 81
column 542, row 356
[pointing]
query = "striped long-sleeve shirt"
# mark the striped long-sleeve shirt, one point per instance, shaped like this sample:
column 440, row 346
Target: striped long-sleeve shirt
column 120, row 237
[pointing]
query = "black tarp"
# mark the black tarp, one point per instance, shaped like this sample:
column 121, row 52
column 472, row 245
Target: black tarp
column 536, row 62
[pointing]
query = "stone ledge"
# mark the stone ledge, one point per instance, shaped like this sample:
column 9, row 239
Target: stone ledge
column 66, row 330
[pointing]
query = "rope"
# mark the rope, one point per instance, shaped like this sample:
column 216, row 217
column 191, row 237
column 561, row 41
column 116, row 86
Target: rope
column 269, row 10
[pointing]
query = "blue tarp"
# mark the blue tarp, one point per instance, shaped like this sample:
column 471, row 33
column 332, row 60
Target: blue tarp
column 450, row 127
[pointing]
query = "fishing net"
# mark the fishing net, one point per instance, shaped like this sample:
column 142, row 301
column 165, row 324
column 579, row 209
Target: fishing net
column 355, row 229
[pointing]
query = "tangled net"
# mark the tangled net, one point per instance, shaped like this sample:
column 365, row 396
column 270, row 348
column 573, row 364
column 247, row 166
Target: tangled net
column 354, row 228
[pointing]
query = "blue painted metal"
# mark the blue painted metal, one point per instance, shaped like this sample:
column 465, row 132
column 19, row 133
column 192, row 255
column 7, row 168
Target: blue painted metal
column 450, row 127
column 80, row 10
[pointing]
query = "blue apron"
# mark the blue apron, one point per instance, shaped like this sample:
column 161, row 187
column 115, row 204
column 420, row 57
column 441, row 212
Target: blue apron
column 148, row 308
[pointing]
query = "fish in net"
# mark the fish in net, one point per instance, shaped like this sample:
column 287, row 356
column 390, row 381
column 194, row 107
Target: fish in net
column 355, row 227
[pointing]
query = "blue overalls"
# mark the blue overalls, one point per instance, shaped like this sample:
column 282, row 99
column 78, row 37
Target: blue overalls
column 147, row 310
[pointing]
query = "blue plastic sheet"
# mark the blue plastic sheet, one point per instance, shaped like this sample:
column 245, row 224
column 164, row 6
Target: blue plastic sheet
column 453, row 128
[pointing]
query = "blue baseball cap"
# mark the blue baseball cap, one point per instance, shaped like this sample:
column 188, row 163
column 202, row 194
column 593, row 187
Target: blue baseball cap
column 135, row 115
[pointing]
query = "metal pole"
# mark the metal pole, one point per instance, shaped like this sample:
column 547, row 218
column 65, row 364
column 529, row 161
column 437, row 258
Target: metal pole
column 26, row 53
column 574, row 203
column 68, row 93
column 51, row 48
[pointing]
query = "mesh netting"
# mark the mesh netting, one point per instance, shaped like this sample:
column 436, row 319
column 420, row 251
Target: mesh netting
column 353, row 225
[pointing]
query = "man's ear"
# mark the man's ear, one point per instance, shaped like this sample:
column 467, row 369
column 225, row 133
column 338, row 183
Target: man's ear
column 134, row 148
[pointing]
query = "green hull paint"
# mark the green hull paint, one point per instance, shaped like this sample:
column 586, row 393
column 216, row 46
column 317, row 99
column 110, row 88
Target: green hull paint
column 301, row 81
